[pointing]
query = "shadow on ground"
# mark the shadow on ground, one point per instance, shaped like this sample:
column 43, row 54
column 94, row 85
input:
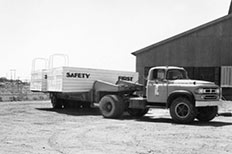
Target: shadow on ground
column 226, row 114
column 212, row 123
column 74, row 112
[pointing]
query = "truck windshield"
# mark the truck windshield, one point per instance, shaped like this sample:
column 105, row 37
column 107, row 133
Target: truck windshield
column 176, row 74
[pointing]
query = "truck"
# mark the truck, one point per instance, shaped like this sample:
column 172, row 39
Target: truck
column 116, row 92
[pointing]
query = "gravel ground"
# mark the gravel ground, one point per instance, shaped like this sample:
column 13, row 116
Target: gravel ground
column 33, row 127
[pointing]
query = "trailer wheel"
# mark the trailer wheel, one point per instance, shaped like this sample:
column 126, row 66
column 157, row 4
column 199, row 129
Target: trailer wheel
column 206, row 114
column 182, row 110
column 56, row 102
column 138, row 112
column 112, row 106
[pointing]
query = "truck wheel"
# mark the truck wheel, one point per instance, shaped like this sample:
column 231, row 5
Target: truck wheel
column 138, row 112
column 112, row 106
column 182, row 110
column 56, row 102
column 206, row 114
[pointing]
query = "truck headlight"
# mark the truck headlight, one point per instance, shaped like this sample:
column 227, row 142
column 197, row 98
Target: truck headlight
column 199, row 91
column 207, row 91
column 218, row 91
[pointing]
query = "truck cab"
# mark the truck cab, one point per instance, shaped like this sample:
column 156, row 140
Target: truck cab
column 187, row 99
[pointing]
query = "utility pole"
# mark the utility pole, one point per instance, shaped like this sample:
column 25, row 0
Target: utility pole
column 12, row 74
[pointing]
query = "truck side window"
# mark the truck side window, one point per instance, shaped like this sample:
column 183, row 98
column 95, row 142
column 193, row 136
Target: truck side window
column 176, row 74
column 158, row 75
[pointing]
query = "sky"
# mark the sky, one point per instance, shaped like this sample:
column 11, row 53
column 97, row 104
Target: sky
column 99, row 34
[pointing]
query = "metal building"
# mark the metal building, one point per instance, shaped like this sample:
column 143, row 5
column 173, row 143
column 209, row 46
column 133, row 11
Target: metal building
column 205, row 52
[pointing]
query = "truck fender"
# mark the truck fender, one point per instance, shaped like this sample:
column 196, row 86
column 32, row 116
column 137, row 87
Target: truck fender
column 180, row 93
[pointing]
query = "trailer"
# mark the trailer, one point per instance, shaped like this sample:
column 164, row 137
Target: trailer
column 116, row 92
column 80, row 87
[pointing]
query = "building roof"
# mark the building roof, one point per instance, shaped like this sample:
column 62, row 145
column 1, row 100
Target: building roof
column 229, row 16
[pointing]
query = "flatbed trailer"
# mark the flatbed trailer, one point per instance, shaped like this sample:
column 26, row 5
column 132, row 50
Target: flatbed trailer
column 81, row 87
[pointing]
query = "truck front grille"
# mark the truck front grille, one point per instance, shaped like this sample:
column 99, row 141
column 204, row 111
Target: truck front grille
column 210, row 94
column 210, row 97
column 210, row 90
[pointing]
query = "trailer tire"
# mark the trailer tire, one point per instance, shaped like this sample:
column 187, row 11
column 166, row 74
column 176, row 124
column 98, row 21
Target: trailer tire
column 56, row 102
column 112, row 106
column 138, row 112
column 206, row 114
column 182, row 110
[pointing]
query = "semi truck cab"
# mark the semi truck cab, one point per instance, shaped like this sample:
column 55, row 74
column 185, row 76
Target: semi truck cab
column 187, row 99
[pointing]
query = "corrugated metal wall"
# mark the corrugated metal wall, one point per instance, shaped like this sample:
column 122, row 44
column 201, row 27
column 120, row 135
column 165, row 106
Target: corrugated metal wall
column 211, row 74
column 226, row 76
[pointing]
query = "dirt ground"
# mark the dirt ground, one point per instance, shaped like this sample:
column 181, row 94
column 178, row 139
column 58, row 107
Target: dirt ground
column 34, row 128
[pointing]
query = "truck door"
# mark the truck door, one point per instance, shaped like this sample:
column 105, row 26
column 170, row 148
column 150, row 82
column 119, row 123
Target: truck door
column 157, row 86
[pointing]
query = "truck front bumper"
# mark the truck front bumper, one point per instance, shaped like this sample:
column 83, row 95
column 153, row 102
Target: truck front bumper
column 208, row 103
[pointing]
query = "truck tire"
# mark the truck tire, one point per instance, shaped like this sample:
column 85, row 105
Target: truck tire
column 56, row 102
column 182, row 110
column 138, row 112
column 112, row 106
column 206, row 114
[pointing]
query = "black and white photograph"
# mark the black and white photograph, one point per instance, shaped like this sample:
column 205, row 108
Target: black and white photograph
column 116, row 77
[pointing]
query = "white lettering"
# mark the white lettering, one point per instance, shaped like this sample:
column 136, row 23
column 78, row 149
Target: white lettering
column 127, row 78
column 157, row 90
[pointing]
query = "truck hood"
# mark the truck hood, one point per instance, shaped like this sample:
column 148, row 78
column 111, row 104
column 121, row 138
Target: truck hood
column 193, row 82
